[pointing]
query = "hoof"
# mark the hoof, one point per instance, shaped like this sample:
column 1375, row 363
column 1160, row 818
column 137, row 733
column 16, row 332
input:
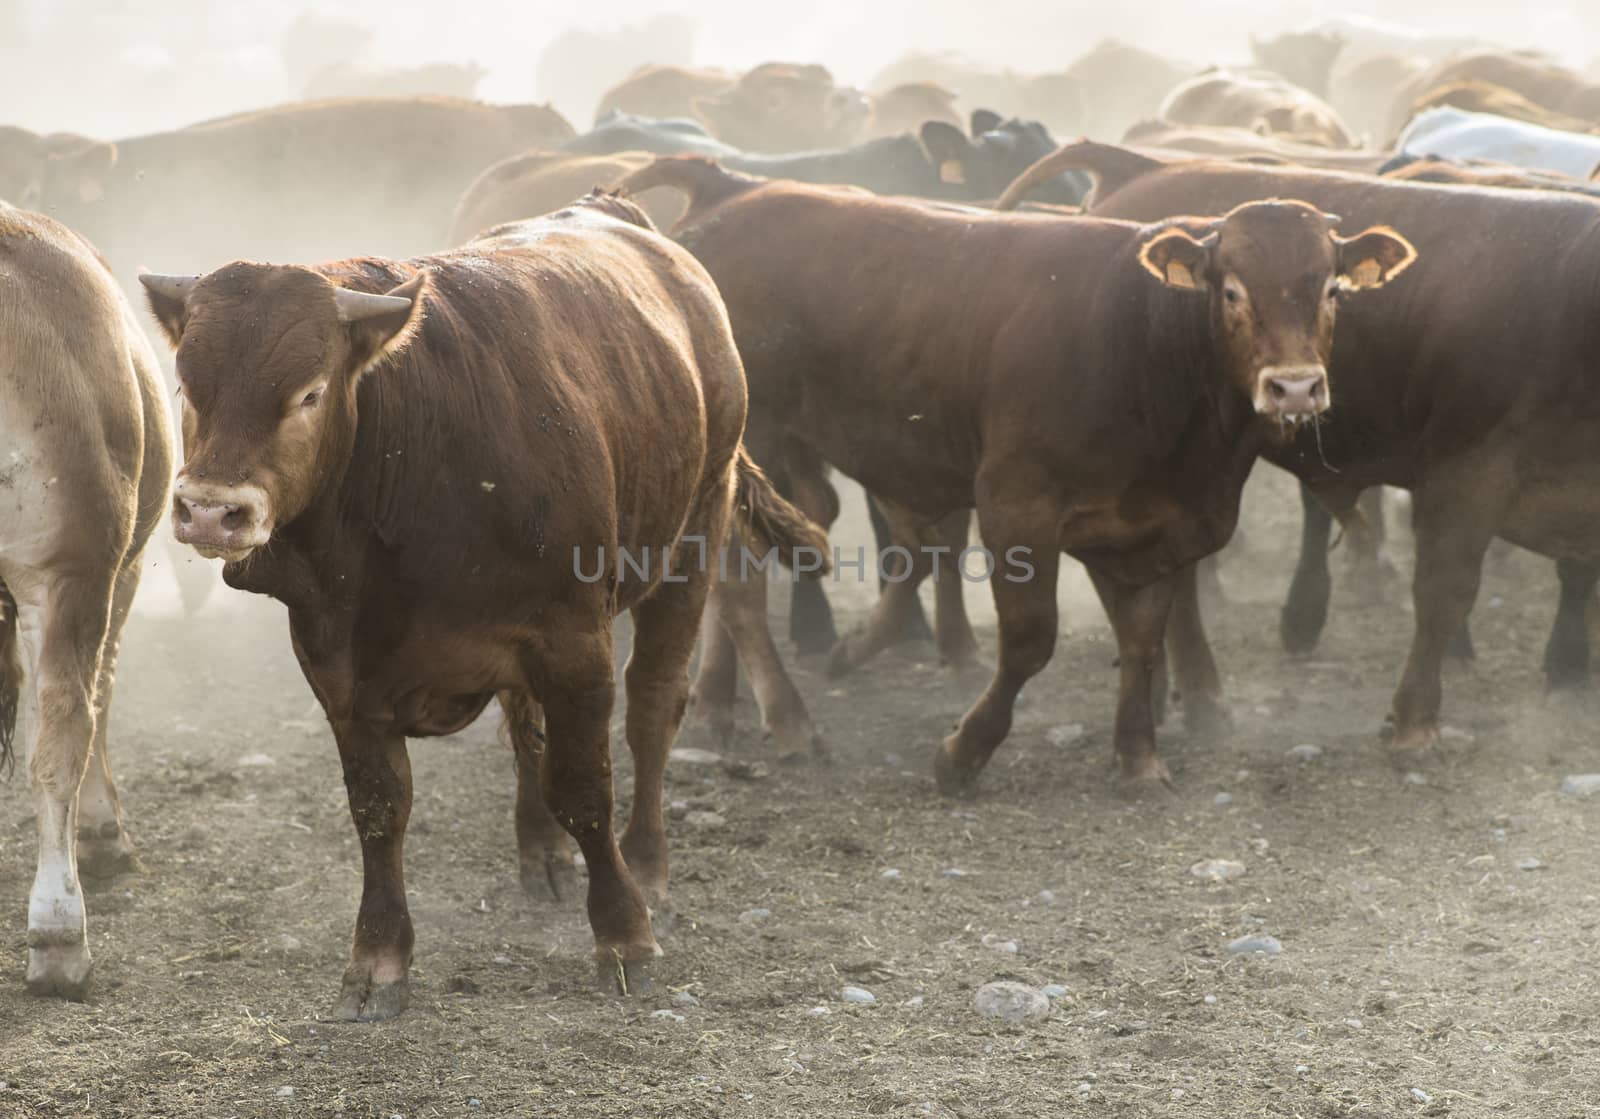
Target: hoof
column 955, row 781
column 106, row 856
column 615, row 975
column 1416, row 740
column 549, row 879
column 1206, row 718
column 843, row 659
column 797, row 744
column 1144, row 770
column 362, row 1000
column 59, row 969
column 813, row 638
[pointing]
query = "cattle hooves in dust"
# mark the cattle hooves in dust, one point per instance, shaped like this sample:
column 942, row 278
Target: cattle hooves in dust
column 363, row 1001
column 624, row 977
column 954, row 781
column 1205, row 718
column 101, row 859
column 552, row 880
column 61, row 971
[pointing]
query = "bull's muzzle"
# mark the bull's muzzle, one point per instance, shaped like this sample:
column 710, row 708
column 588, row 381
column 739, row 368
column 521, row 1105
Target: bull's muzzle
column 1293, row 393
column 228, row 522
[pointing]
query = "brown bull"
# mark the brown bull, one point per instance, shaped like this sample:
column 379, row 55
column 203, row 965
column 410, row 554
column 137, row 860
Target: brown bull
column 1493, row 430
column 455, row 472
column 1099, row 388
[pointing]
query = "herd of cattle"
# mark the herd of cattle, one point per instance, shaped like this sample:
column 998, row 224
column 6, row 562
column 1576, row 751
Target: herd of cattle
column 1373, row 262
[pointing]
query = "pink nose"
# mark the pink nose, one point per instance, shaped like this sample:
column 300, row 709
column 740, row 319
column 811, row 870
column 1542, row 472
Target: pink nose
column 199, row 522
column 1298, row 395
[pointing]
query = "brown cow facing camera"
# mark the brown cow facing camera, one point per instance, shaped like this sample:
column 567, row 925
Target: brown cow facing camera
column 1095, row 387
column 440, row 466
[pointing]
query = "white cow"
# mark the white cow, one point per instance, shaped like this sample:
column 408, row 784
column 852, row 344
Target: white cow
column 85, row 466
column 1460, row 135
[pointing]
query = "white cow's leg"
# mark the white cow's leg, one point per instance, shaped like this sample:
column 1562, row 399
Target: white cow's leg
column 104, row 848
column 61, row 631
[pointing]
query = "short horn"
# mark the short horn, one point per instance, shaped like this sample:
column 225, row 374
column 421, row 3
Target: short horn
column 353, row 306
column 175, row 288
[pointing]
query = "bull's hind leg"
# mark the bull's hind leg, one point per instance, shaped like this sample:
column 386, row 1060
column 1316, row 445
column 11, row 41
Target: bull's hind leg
column 1193, row 665
column 1305, row 611
column 657, row 682
column 1023, row 531
column 1566, row 655
column 573, row 677
column 377, row 780
column 738, row 603
column 61, row 631
column 104, row 848
column 544, row 849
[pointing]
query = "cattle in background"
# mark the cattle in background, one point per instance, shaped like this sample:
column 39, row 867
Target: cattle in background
column 785, row 107
column 663, row 92
column 1457, row 134
column 89, row 462
column 1365, row 94
column 1493, row 431
column 1054, row 99
column 1257, row 101
column 1432, row 169
column 1528, row 73
column 1122, row 84
column 941, row 162
column 579, row 65
column 617, row 132
column 1481, row 97
column 1096, row 387
column 466, row 465
column 909, row 105
column 1162, row 138
column 23, row 157
column 312, row 179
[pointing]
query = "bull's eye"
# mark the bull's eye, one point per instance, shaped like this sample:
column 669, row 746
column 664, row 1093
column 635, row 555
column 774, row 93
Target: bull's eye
column 1232, row 293
column 311, row 399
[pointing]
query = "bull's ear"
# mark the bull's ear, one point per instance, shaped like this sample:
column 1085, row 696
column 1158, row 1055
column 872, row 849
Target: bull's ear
column 168, row 297
column 948, row 149
column 82, row 172
column 380, row 325
column 985, row 120
column 1372, row 259
column 1178, row 259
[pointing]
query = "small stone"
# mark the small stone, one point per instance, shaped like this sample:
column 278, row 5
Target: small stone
column 666, row 1015
column 474, row 1101
column 891, row 874
column 1064, row 735
column 750, row 916
column 503, row 961
column 1053, row 991
column 952, row 872
column 1581, row 785
column 1529, row 863
column 1046, row 897
column 1255, row 945
column 1498, row 834
column 1353, row 1023
column 1084, row 1088
column 706, row 820
column 995, row 943
column 1222, row 800
column 256, row 761
column 285, row 1092
column 289, row 943
column 859, row 995
column 892, row 759
column 1420, row 1096
column 1415, row 778
column 684, row 998
column 1301, row 1070
column 1210, row 1000
column 1454, row 734
column 1218, row 870
column 819, row 1011
column 913, row 1003
column 1496, row 601
column 690, row 755
column 1011, row 1002
column 1306, row 752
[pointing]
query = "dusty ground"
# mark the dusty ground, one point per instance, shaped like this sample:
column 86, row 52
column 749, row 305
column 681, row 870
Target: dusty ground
column 1422, row 972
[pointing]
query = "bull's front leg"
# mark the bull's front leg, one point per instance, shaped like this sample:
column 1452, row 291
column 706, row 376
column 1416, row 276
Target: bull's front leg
column 1139, row 617
column 1023, row 528
column 377, row 778
column 1194, row 666
column 1305, row 611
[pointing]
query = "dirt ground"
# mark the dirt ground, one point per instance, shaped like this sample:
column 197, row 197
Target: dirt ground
column 1422, row 971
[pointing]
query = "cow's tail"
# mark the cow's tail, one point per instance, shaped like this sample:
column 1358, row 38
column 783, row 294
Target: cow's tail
column 703, row 182
column 1110, row 166
column 767, row 522
column 10, row 679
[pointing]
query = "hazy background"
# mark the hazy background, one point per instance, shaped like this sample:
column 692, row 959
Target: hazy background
column 113, row 68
